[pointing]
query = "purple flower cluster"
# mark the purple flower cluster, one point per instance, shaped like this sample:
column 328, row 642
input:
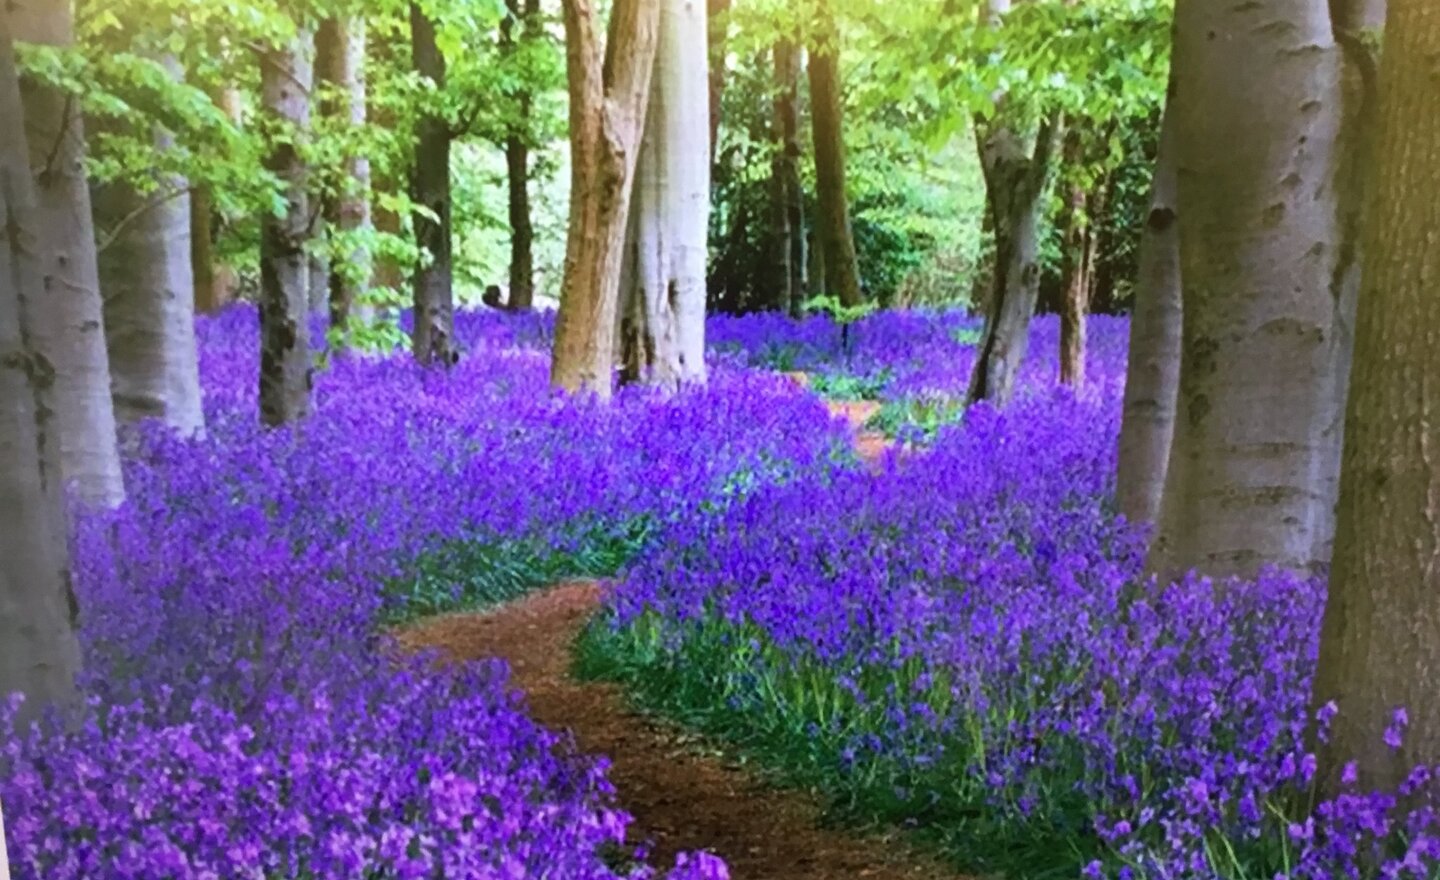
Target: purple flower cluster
column 247, row 717
column 965, row 641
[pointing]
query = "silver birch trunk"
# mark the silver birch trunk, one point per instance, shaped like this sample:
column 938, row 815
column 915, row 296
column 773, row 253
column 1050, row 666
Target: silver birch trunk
column 39, row 653
column 1265, row 256
column 664, row 289
column 68, row 325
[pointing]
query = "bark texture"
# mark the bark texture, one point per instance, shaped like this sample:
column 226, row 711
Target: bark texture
column 434, row 334
column 39, row 653
column 68, row 322
column 1380, row 644
column 663, row 286
column 517, row 164
column 1153, row 376
column 786, row 271
column 1077, row 263
column 827, row 118
column 341, row 64
column 608, row 99
column 1266, row 261
column 286, row 78
column 1015, row 177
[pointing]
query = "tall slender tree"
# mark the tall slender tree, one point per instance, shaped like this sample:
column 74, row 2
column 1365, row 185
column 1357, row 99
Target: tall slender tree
column 517, row 160
column 787, row 258
column 1380, row 643
column 148, row 284
column 434, row 341
column 1153, row 375
column 340, row 63
column 836, row 239
column 286, row 82
column 68, row 323
column 609, row 94
column 663, row 279
column 1268, row 266
column 216, row 283
column 1016, row 168
column 39, row 653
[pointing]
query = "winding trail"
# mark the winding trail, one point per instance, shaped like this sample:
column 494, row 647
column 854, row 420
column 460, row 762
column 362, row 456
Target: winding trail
column 683, row 795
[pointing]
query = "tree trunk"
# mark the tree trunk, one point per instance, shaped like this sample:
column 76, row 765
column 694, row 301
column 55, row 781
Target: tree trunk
column 608, row 101
column 842, row 270
column 517, row 164
column 786, row 274
column 718, row 34
column 434, row 334
column 286, row 78
column 39, row 653
column 1265, row 260
column 216, row 283
column 148, row 287
column 1380, row 645
column 340, row 49
column 1153, row 376
column 69, row 321
column 1015, row 178
column 1075, row 265
column 670, row 211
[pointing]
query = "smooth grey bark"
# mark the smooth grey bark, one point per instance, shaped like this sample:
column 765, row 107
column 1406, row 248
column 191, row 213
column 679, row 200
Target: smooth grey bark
column 68, row 322
column 663, row 329
column 340, row 62
column 1153, row 376
column 434, row 333
column 1016, row 173
column 39, row 653
column 286, row 80
column 1380, row 642
column 1266, row 258
column 147, row 282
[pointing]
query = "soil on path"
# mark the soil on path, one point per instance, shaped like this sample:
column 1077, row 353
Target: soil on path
column 682, row 796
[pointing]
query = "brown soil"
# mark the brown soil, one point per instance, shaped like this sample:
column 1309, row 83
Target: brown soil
column 683, row 795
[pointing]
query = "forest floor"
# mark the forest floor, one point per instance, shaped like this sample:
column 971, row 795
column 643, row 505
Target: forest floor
column 683, row 794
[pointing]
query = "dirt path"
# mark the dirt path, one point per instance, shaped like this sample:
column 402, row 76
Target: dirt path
column 682, row 797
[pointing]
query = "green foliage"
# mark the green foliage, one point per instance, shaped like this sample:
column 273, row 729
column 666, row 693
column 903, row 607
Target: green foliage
column 839, row 312
column 919, row 418
column 851, row 386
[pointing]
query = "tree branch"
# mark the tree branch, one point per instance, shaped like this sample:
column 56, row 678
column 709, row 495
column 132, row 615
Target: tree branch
column 150, row 204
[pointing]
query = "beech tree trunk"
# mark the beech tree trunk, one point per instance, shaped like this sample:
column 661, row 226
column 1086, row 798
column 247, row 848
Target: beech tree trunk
column 1267, row 261
column 517, row 164
column 340, row 50
column 286, row 79
column 216, row 283
column 1153, row 376
column 39, row 653
column 1380, row 644
column 148, row 287
column 68, row 324
column 1075, row 266
column 434, row 333
column 608, row 99
column 832, row 223
column 1015, row 179
column 664, row 327
column 786, row 274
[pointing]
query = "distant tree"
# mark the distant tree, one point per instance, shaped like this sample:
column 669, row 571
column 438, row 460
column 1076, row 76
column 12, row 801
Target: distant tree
column 68, row 326
column 527, row 18
column 286, row 83
column 1380, row 645
column 835, row 238
column 340, row 65
column 434, row 334
column 39, row 653
column 662, row 286
column 608, row 99
column 786, row 252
